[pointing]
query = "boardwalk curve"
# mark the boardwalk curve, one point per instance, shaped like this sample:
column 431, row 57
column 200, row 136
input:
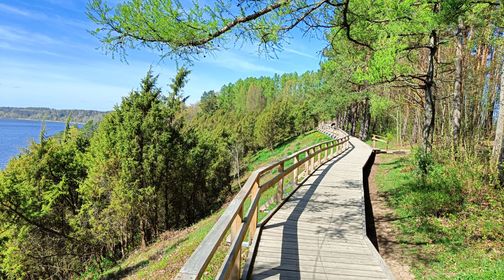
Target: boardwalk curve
column 320, row 231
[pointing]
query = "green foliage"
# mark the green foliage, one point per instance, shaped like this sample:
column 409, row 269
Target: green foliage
column 450, row 219
column 187, row 30
column 255, row 113
column 86, row 198
column 39, row 197
column 273, row 125
column 423, row 161
column 209, row 102
column 436, row 194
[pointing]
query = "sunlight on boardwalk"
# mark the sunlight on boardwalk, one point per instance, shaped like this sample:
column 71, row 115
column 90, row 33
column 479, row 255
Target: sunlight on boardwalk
column 320, row 232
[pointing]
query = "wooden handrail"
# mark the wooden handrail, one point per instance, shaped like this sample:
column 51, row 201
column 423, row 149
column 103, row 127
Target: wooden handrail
column 233, row 220
column 379, row 139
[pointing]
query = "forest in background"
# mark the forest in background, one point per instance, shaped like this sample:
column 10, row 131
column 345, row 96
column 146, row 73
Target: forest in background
column 428, row 74
column 48, row 114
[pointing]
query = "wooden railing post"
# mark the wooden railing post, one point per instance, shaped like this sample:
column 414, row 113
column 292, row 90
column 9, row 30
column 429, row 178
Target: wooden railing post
column 279, row 194
column 307, row 164
column 329, row 151
column 319, row 156
column 295, row 172
column 253, row 219
column 312, row 161
column 235, row 230
column 326, row 151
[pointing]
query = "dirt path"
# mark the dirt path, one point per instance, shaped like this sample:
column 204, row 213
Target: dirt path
column 390, row 249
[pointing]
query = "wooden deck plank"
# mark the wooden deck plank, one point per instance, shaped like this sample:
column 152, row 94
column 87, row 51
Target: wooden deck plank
column 319, row 272
column 319, row 233
column 267, row 251
column 312, row 264
column 343, row 258
column 312, row 237
column 285, row 274
column 329, row 248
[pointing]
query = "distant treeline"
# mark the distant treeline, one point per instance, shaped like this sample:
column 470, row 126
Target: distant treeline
column 48, row 114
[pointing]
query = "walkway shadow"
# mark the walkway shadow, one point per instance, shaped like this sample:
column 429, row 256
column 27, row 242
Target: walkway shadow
column 370, row 223
column 124, row 272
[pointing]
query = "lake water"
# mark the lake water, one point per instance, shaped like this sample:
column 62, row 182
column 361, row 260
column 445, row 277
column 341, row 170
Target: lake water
column 17, row 134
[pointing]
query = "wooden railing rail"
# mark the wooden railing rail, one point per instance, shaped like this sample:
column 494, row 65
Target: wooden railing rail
column 239, row 225
column 378, row 138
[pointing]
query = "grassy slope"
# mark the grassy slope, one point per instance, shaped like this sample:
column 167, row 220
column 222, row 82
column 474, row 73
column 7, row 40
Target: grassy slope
column 289, row 147
column 163, row 259
column 466, row 244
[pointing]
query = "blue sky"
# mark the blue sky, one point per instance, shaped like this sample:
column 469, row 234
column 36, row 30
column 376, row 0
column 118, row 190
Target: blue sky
column 48, row 59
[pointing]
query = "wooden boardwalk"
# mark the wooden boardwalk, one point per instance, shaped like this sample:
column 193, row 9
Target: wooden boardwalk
column 320, row 231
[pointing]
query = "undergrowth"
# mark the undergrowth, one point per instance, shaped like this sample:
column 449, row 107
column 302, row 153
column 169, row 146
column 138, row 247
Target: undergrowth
column 450, row 214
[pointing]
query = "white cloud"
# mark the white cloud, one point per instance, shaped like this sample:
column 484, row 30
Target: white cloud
column 40, row 16
column 14, row 10
column 230, row 60
column 9, row 47
column 21, row 36
column 300, row 53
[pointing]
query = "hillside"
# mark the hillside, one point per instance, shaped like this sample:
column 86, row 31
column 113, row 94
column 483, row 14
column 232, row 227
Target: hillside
column 48, row 114
column 164, row 258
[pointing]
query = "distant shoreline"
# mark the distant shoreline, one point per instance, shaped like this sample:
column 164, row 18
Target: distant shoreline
column 25, row 119
column 77, row 116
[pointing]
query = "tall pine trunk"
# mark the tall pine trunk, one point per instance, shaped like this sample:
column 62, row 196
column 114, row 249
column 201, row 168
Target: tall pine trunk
column 457, row 93
column 498, row 148
column 353, row 128
column 366, row 119
column 429, row 102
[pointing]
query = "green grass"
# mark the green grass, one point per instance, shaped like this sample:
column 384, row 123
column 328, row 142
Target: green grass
column 451, row 224
column 164, row 258
column 289, row 147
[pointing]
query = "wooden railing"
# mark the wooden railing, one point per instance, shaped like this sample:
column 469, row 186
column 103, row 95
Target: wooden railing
column 378, row 138
column 258, row 182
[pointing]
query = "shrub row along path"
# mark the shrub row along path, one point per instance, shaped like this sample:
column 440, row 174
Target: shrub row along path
column 320, row 232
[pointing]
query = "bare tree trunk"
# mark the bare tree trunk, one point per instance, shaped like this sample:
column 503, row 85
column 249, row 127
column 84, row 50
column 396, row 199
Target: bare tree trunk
column 414, row 129
column 366, row 119
column 405, row 125
column 457, row 93
column 430, row 104
column 493, row 100
column 498, row 148
column 344, row 123
column 143, row 235
column 353, row 123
